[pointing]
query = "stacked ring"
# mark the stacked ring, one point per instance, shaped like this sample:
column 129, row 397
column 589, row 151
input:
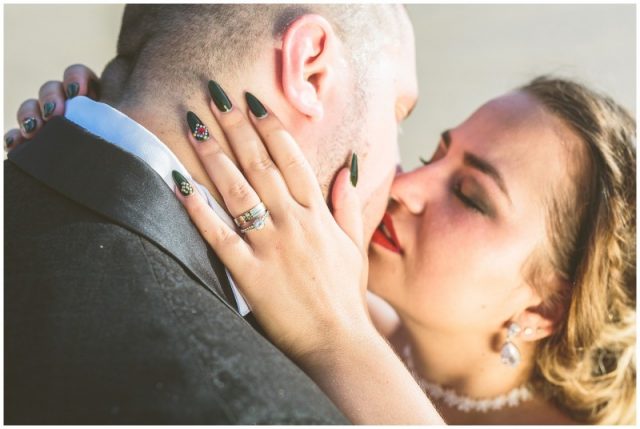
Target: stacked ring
column 254, row 218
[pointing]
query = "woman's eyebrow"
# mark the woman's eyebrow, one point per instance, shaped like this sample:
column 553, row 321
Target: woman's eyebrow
column 481, row 165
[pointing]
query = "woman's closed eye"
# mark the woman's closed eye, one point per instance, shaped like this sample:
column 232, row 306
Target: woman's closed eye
column 468, row 201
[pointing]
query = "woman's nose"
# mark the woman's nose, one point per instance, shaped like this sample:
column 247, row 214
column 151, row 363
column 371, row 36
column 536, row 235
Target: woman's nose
column 410, row 190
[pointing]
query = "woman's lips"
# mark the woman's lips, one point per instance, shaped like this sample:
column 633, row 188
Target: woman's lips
column 385, row 235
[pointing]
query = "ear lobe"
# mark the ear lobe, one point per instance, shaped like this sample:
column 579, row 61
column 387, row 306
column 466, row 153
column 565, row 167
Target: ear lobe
column 309, row 52
column 542, row 320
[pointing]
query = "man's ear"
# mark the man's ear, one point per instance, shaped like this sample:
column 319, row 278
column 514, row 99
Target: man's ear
column 310, row 52
column 541, row 320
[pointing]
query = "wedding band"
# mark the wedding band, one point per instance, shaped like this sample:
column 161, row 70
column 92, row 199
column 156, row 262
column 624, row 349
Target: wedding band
column 255, row 223
column 256, row 212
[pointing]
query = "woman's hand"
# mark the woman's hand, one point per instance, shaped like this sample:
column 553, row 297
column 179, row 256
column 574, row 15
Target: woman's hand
column 32, row 113
column 304, row 272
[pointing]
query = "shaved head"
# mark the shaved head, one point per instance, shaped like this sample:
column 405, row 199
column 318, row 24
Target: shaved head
column 170, row 49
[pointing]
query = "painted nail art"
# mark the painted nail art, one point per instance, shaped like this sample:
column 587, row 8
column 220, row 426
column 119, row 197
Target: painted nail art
column 48, row 109
column 73, row 89
column 29, row 124
column 183, row 184
column 255, row 106
column 219, row 97
column 198, row 129
column 354, row 170
column 8, row 142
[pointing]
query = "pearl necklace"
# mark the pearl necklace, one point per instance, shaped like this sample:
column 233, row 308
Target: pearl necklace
column 464, row 403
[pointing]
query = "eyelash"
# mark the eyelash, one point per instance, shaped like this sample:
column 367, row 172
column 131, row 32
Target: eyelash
column 457, row 191
column 466, row 200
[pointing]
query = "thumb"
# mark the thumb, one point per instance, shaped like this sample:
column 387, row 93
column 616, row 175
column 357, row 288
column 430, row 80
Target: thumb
column 347, row 210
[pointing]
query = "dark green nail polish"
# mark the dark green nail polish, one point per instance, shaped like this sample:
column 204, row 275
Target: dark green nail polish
column 255, row 106
column 219, row 97
column 73, row 89
column 183, row 184
column 354, row 170
column 198, row 129
column 48, row 109
column 8, row 142
column 29, row 124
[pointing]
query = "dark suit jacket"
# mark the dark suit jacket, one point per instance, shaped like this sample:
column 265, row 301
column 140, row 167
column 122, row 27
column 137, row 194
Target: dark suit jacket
column 116, row 311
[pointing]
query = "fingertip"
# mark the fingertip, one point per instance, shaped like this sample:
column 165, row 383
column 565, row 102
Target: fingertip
column 78, row 81
column 12, row 139
column 177, row 192
column 51, row 108
column 30, row 125
column 221, row 103
column 51, row 99
column 198, row 131
column 347, row 209
column 257, row 109
column 353, row 170
column 342, row 188
column 73, row 89
column 189, row 201
column 29, row 118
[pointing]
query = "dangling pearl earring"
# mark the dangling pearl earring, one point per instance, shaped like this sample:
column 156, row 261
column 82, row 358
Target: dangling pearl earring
column 510, row 355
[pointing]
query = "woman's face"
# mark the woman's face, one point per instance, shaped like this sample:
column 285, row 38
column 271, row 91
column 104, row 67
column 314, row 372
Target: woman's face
column 466, row 222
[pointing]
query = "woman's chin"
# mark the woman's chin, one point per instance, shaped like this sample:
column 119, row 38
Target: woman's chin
column 381, row 284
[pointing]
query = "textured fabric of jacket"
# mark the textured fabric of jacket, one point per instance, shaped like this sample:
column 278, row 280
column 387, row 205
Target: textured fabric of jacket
column 116, row 311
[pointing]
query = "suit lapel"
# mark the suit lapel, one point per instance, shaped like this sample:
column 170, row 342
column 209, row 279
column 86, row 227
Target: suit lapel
column 123, row 188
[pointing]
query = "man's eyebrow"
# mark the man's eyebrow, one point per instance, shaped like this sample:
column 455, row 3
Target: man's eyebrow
column 479, row 164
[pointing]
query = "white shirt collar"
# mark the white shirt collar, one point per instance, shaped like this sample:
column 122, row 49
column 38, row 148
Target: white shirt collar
column 117, row 128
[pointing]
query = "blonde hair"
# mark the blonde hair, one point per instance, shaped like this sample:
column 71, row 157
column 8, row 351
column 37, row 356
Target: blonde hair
column 587, row 366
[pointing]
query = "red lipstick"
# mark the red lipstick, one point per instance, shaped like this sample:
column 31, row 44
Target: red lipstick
column 385, row 235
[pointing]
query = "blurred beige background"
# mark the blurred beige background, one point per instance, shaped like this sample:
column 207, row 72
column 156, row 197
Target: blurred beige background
column 466, row 54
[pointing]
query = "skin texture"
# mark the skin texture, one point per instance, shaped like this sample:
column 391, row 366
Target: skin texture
column 460, row 278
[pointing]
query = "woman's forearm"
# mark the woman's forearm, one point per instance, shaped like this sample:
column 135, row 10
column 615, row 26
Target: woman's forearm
column 368, row 382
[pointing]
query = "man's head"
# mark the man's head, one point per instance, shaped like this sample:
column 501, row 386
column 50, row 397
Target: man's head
column 340, row 77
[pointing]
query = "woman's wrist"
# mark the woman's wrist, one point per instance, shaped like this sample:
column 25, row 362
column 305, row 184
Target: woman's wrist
column 362, row 374
column 339, row 341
